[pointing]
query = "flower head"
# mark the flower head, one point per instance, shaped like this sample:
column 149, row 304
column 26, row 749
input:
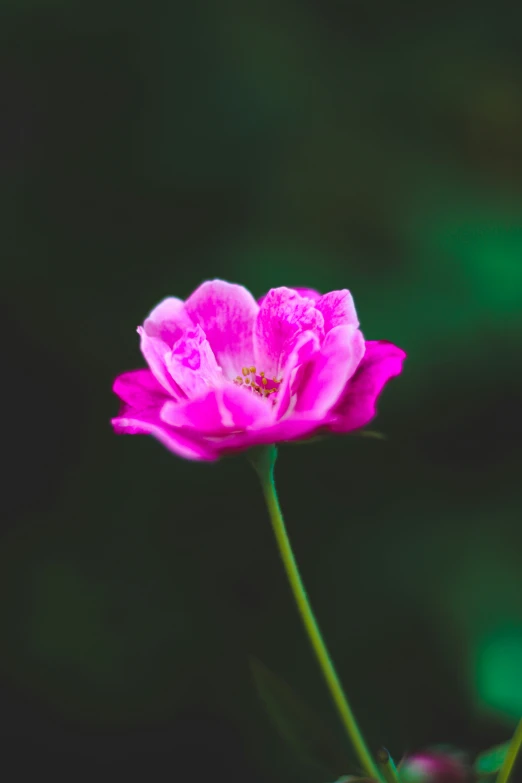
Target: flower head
column 435, row 765
column 226, row 373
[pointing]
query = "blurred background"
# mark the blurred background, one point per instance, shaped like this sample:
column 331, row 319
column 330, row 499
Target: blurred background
column 144, row 148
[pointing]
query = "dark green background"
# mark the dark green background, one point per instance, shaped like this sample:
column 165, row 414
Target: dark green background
column 144, row 148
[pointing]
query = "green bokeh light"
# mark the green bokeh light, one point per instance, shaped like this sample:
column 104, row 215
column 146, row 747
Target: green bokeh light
column 499, row 671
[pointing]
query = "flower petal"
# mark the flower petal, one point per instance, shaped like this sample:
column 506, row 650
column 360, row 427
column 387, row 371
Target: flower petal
column 192, row 364
column 357, row 406
column 139, row 389
column 226, row 312
column 283, row 315
column 168, row 321
column 306, row 346
column 287, row 429
column 337, row 308
column 148, row 422
column 307, row 293
column 327, row 375
column 156, row 352
column 221, row 411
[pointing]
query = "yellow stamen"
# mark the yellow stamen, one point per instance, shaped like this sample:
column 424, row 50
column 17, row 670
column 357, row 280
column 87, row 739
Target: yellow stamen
column 251, row 384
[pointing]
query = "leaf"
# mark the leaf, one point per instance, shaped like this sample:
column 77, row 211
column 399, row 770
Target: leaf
column 490, row 761
column 306, row 441
column 299, row 726
column 373, row 434
column 353, row 779
column 369, row 434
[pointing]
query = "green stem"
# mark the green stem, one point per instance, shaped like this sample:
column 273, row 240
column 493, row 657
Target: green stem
column 511, row 756
column 387, row 766
column 263, row 460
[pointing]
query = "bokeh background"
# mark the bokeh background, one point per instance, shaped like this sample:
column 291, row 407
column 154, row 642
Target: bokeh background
column 145, row 147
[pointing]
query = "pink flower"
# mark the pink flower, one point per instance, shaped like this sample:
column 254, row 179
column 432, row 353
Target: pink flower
column 435, row 766
column 227, row 373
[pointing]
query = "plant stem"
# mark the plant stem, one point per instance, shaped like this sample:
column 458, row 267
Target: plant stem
column 387, row 766
column 511, row 756
column 263, row 460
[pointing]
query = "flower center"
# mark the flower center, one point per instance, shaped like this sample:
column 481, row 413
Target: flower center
column 257, row 383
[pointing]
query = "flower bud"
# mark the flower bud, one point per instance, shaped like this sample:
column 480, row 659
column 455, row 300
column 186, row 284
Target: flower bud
column 435, row 766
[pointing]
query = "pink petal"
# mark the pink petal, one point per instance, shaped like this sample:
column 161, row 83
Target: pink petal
column 327, row 375
column 307, row 345
column 156, row 352
column 148, row 422
column 226, row 312
column 220, row 411
column 283, row 315
column 139, row 389
column 307, row 293
column 294, row 428
column 168, row 321
column 192, row 364
column 357, row 405
column 337, row 308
